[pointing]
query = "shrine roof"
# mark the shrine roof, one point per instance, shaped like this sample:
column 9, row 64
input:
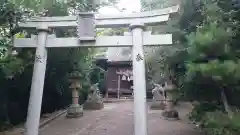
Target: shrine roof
column 119, row 64
column 119, row 54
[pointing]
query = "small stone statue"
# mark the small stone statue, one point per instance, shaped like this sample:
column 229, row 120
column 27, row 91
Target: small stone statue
column 94, row 93
column 158, row 98
column 157, row 93
column 94, row 101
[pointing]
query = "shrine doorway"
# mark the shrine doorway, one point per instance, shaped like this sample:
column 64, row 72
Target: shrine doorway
column 119, row 79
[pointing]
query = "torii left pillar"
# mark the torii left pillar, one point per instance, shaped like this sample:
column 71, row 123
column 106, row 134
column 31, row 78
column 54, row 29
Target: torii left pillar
column 36, row 94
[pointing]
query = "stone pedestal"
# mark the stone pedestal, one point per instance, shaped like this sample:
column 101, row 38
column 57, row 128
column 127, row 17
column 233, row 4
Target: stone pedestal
column 157, row 105
column 91, row 105
column 94, row 101
column 170, row 113
column 74, row 111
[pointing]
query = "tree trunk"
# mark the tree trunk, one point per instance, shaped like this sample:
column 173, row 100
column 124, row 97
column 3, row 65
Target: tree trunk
column 225, row 103
column 7, row 119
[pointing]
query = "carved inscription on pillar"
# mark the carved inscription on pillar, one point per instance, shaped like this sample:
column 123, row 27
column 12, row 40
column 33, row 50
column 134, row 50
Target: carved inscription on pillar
column 139, row 57
column 39, row 58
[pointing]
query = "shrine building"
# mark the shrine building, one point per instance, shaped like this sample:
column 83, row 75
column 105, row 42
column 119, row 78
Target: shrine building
column 118, row 66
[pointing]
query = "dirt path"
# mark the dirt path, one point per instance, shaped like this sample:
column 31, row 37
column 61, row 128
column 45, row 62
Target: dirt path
column 117, row 119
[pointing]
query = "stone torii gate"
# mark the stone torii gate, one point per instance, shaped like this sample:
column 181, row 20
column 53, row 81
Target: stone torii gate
column 86, row 24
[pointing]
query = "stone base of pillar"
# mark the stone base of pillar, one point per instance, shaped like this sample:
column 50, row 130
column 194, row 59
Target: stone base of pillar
column 157, row 105
column 74, row 111
column 91, row 105
column 170, row 115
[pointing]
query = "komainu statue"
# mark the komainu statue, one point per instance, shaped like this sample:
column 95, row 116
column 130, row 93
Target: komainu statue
column 158, row 97
column 94, row 101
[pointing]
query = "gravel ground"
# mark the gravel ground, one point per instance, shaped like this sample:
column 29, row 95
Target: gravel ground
column 117, row 119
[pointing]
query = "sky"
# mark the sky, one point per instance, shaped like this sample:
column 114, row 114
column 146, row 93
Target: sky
column 129, row 5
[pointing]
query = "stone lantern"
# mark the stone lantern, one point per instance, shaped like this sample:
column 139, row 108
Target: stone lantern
column 75, row 110
column 170, row 113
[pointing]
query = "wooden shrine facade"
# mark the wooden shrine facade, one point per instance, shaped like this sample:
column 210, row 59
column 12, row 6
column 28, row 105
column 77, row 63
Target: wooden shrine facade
column 119, row 79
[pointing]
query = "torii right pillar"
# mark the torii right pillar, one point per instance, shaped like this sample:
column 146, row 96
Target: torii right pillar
column 139, row 80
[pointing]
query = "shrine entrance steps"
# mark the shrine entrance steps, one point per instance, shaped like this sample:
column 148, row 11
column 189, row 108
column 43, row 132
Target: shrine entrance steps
column 114, row 100
column 117, row 119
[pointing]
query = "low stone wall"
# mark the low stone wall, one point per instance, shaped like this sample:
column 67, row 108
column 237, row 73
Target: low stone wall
column 46, row 119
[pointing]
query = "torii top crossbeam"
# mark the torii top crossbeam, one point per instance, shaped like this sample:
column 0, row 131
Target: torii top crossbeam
column 85, row 23
column 103, row 21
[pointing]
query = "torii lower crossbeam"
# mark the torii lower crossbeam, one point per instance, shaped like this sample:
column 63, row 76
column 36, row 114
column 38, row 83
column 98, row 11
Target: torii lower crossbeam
column 101, row 41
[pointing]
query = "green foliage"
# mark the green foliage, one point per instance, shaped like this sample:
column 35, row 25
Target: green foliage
column 96, row 75
column 16, row 69
column 200, row 110
column 218, row 123
column 205, row 60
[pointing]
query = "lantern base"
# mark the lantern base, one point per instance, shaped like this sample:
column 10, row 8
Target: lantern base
column 91, row 105
column 74, row 111
column 170, row 115
column 157, row 105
